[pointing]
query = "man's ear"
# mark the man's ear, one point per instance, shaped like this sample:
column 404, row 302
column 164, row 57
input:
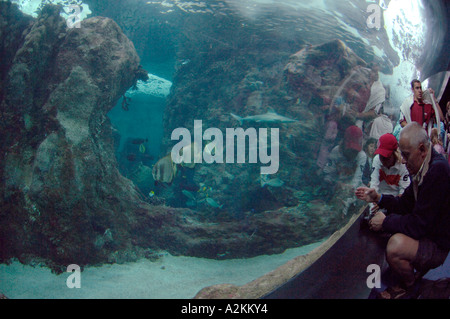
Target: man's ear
column 423, row 150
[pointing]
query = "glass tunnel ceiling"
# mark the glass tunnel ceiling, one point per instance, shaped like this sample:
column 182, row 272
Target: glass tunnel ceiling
column 416, row 20
column 215, row 58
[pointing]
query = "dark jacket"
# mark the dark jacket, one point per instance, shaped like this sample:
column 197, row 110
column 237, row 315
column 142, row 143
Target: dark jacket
column 429, row 216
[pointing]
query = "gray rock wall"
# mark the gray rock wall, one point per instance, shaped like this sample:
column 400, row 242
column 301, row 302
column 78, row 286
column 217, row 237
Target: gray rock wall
column 59, row 178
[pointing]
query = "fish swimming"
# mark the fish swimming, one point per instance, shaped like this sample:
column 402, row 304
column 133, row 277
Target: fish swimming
column 274, row 182
column 164, row 170
column 188, row 194
column 270, row 117
column 213, row 203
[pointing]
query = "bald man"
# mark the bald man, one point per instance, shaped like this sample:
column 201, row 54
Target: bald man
column 420, row 219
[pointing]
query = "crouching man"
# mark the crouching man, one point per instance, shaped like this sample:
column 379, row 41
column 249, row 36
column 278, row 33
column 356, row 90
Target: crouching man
column 420, row 219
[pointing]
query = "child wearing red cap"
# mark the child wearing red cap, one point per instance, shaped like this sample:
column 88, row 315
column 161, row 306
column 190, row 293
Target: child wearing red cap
column 389, row 175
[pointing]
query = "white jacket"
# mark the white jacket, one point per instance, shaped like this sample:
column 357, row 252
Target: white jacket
column 382, row 185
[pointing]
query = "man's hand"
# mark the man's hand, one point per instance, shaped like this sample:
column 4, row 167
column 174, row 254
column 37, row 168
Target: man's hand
column 374, row 208
column 369, row 195
column 376, row 222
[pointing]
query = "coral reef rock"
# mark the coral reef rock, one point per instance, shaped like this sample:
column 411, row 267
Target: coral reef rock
column 60, row 191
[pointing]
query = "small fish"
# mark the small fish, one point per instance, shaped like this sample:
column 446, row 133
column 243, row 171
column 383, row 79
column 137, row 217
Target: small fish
column 228, row 175
column 213, row 203
column 142, row 148
column 188, row 194
column 270, row 117
column 204, row 189
column 151, row 194
column 275, row 182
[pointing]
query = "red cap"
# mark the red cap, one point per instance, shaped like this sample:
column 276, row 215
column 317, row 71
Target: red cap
column 386, row 145
column 353, row 138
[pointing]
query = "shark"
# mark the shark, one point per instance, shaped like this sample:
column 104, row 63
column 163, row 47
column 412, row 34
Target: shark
column 270, row 117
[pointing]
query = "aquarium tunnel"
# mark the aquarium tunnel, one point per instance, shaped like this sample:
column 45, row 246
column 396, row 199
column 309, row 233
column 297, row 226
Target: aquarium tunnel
column 180, row 149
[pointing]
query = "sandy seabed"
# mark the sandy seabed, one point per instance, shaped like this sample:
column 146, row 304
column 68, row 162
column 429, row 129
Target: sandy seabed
column 170, row 277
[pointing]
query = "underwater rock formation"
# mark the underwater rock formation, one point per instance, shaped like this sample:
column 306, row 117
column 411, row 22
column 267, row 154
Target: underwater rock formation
column 317, row 69
column 62, row 197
